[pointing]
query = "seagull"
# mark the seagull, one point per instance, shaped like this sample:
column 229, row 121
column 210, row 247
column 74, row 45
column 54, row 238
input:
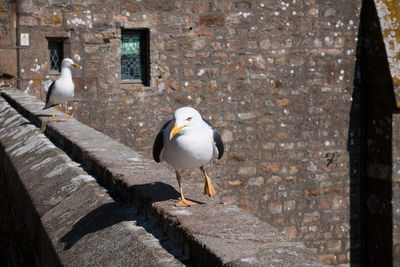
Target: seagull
column 187, row 142
column 62, row 89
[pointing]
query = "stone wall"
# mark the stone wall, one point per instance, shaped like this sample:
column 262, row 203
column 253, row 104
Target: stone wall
column 388, row 12
column 72, row 196
column 275, row 77
column 8, row 53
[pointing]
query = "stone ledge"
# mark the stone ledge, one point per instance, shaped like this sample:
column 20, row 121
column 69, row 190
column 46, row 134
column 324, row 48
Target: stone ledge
column 68, row 219
column 212, row 234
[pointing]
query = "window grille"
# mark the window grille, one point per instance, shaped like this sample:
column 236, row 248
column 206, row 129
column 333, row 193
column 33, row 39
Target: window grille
column 130, row 57
column 56, row 54
column 135, row 55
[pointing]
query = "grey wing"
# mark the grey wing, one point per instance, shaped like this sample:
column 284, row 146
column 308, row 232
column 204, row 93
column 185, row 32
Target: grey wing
column 159, row 142
column 217, row 140
column 51, row 88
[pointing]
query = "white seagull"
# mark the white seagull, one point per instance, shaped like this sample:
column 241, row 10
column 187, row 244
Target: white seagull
column 62, row 89
column 187, row 142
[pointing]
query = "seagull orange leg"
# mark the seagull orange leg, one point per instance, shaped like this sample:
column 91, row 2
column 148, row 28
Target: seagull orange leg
column 183, row 202
column 208, row 187
column 66, row 115
column 54, row 113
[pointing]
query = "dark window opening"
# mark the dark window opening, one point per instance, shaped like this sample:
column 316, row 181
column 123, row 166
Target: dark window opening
column 135, row 59
column 56, row 52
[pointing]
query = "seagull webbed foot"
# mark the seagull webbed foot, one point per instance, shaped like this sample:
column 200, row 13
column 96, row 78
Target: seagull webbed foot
column 209, row 188
column 185, row 203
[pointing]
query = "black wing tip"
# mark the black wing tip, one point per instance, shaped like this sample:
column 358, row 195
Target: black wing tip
column 220, row 154
column 217, row 139
column 159, row 143
column 157, row 150
column 218, row 143
column 156, row 159
column 220, row 147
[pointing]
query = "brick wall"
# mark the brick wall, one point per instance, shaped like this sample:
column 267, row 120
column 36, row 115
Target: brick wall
column 275, row 77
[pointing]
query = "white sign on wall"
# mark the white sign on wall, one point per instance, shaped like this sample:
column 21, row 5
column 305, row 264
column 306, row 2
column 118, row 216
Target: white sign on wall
column 24, row 39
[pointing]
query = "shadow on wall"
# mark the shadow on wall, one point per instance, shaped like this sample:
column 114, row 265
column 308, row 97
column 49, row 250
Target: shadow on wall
column 98, row 219
column 113, row 213
column 370, row 147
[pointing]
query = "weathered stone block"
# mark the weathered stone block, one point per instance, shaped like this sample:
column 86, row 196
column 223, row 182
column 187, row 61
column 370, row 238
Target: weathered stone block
column 311, row 217
column 128, row 9
column 247, row 170
column 8, row 62
column 78, row 19
column 274, row 179
column 256, row 62
column 283, row 102
column 334, row 246
column 265, row 44
column 235, row 66
column 210, row 20
column 269, row 167
column 51, row 17
column 275, row 207
column 290, row 231
column 29, row 21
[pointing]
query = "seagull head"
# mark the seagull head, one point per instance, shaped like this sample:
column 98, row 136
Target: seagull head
column 67, row 63
column 186, row 118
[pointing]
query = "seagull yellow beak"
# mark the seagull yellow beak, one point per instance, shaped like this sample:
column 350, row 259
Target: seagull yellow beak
column 75, row 65
column 175, row 130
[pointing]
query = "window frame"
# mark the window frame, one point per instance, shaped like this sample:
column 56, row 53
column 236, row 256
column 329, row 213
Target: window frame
column 61, row 43
column 144, row 39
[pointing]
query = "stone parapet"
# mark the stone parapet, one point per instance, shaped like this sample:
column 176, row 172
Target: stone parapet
column 95, row 201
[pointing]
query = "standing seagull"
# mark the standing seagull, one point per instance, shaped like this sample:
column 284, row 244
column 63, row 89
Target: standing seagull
column 62, row 89
column 186, row 142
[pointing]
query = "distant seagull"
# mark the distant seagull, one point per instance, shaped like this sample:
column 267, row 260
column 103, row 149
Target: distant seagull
column 187, row 142
column 62, row 89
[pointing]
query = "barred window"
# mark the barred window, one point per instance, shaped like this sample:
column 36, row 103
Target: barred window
column 56, row 52
column 135, row 55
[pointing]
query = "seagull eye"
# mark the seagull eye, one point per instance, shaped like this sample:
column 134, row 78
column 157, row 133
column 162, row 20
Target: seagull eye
column 189, row 119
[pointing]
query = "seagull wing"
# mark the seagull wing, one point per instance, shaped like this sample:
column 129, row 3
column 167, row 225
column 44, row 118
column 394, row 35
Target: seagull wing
column 159, row 142
column 51, row 88
column 217, row 140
